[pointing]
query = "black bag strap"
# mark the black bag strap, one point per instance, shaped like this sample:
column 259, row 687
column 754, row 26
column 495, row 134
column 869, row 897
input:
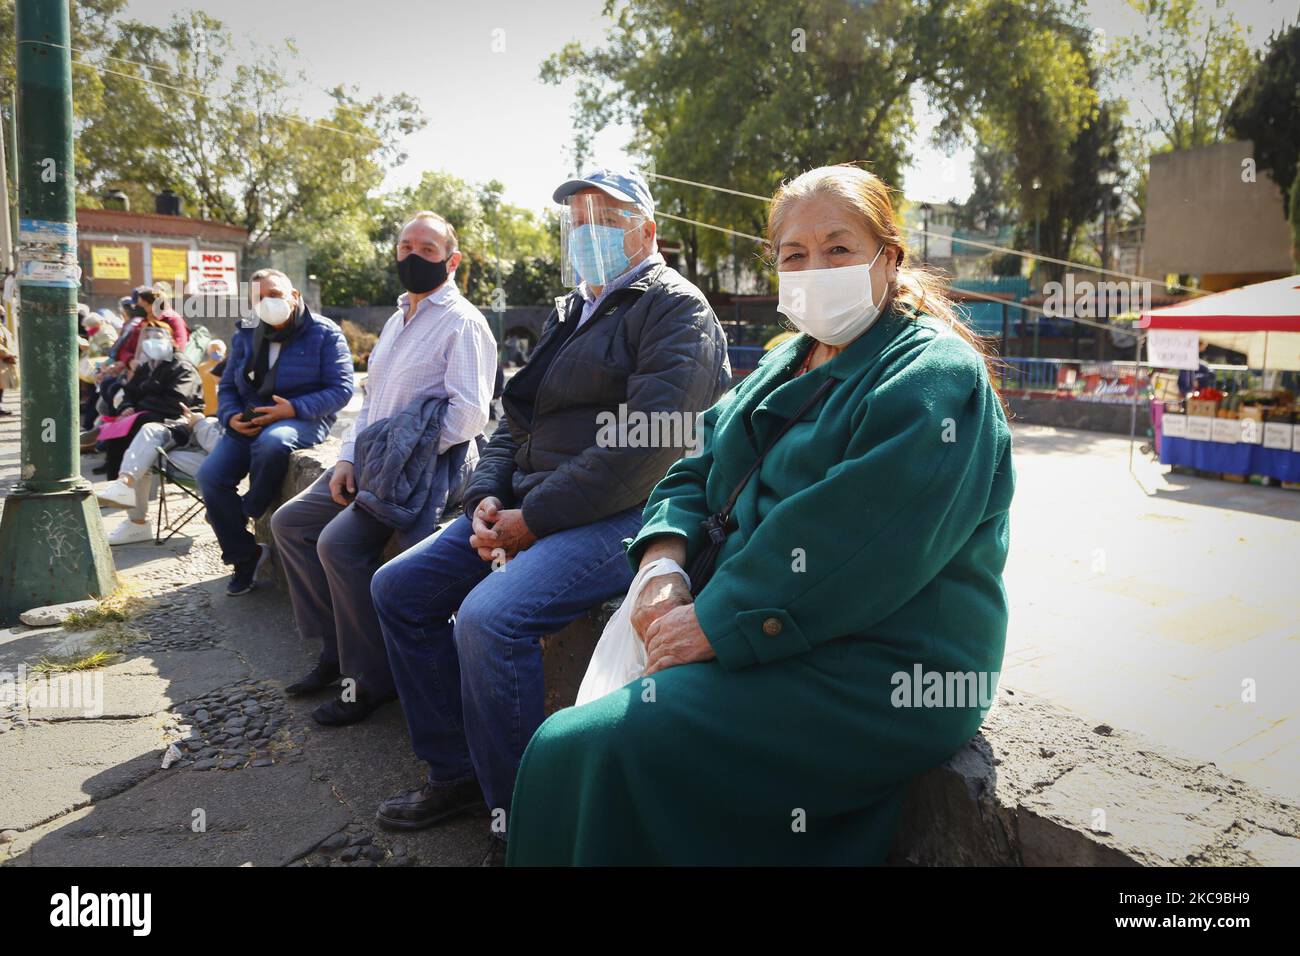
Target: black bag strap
column 717, row 525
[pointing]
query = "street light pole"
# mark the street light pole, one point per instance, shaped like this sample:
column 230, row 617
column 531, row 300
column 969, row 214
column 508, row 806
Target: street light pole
column 925, row 232
column 52, row 546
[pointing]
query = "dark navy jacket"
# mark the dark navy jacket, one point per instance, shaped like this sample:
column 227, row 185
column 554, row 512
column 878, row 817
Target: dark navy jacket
column 314, row 371
column 402, row 481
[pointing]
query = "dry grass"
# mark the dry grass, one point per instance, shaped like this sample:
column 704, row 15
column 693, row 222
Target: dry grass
column 121, row 605
column 106, row 647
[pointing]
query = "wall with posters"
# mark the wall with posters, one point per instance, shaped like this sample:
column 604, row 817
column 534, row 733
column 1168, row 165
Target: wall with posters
column 120, row 250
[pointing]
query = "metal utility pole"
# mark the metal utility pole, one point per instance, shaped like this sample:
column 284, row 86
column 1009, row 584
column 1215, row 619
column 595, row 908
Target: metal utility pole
column 52, row 546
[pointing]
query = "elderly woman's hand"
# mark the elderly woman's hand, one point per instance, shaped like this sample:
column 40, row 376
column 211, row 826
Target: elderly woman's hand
column 658, row 596
column 676, row 638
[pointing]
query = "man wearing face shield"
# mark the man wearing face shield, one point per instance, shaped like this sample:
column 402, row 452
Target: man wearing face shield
column 161, row 381
column 435, row 354
column 549, row 505
column 285, row 380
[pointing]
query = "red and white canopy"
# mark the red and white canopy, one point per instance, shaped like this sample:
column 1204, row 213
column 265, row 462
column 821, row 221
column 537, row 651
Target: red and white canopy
column 1261, row 320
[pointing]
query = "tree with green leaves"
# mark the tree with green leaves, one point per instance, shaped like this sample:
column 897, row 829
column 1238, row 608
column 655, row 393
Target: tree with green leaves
column 353, row 256
column 1266, row 111
column 92, row 31
column 230, row 142
column 746, row 93
column 1195, row 59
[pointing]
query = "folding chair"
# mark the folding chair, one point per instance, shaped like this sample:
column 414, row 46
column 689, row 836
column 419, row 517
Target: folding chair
column 170, row 472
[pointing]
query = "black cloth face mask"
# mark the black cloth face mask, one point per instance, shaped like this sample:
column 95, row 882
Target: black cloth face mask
column 419, row 275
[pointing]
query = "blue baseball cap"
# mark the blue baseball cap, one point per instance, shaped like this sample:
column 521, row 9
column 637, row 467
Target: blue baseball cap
column 625, row 185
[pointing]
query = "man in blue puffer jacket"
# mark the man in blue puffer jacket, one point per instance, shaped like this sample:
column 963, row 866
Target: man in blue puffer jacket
column 285, row 381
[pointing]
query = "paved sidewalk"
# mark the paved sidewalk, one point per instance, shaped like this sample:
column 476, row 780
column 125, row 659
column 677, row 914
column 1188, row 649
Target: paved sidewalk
column 269, row 786
column 1156, row 603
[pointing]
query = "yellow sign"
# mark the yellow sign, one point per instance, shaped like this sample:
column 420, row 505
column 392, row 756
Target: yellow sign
column 110, row 262
column 170, row 264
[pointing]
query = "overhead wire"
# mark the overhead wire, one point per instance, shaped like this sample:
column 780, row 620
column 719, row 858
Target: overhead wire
column 970, row 242
column 87, row 64
column 963, row 292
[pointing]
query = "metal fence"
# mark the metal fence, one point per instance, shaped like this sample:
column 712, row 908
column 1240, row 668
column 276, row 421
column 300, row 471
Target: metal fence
column 1046, row 374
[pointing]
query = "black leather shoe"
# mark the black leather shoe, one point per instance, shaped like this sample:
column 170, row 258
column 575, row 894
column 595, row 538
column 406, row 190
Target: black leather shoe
column 340, row 713
column 245, row 577
column 424, row 806
column 496, row 852
column 99, row 470
column 318, row 678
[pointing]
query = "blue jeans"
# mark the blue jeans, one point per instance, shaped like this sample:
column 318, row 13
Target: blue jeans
column 265, row 459
column 472, row 687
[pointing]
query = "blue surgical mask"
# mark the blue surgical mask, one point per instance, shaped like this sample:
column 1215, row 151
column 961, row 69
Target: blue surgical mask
column 596, row 253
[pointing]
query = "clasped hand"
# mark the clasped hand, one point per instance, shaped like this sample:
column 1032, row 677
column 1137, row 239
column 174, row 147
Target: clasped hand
column 664, row 618
column 499, row 533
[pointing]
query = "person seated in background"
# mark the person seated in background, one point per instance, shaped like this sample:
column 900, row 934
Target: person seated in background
column 8, row 361
column 210, row 373
column 845, row 523
column 551, row 503
column 99, row 334
column 160, row 380
column 189, row 439
column 285, row 381
column 435, row 346
column 110, row 376
column 157, row 302
column 87, row 393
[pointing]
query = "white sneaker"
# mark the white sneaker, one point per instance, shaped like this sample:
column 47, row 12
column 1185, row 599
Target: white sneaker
column 128, row 532
column 116, row 494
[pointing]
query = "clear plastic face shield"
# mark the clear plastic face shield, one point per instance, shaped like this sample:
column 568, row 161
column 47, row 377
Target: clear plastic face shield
column 156, row 345
column 599, row 239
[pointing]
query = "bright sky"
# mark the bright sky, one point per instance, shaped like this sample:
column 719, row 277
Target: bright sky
column 490, row 117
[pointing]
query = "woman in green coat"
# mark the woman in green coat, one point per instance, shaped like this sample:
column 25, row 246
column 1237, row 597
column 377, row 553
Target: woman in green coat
column 850, row 635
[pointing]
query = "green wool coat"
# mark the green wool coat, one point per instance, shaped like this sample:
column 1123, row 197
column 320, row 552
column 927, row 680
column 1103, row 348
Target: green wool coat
column 856, row 612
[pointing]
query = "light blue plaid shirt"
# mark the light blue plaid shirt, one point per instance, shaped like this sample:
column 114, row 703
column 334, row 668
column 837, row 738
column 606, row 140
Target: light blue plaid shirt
column 591, row 302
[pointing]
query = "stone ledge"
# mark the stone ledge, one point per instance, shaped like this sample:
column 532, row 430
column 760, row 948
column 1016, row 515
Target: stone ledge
column 1041, row 787
column 1038, row 786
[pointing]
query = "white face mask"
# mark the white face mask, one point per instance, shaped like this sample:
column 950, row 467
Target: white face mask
column 274, row 312
column 834, row 306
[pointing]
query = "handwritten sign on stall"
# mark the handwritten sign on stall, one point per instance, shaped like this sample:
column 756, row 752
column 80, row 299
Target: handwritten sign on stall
column 1173, row 348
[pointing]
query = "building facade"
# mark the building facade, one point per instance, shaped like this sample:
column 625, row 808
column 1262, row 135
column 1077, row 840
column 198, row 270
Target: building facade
column 1211, row 213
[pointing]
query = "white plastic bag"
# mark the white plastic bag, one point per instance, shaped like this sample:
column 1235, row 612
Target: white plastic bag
column 620, row 655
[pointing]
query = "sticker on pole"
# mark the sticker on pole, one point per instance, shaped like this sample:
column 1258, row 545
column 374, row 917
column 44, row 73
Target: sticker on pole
column 47, row 254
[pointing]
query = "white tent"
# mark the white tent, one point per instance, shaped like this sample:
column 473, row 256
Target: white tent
column 1261, row 320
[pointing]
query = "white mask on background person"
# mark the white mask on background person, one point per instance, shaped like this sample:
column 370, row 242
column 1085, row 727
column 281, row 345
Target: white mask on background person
column 833, row 306
column 274, row 312
column 158, row 349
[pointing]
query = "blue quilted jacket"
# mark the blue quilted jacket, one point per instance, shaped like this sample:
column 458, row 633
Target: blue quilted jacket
column 314, row 372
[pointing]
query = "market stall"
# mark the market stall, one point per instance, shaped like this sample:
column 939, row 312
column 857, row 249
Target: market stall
column 1248, row 433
